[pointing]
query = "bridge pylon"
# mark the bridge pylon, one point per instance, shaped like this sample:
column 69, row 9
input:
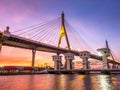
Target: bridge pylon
column 107, row 46
column 63, row 33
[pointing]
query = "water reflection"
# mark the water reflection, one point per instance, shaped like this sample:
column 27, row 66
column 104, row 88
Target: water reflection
column 64, row 82
column 60, row 82
column 105, row 82
column 87, row 82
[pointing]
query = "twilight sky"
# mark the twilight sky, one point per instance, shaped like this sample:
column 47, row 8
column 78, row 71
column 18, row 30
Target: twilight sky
column 94, row 20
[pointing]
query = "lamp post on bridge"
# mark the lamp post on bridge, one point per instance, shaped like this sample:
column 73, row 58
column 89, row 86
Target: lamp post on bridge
column 2, row 39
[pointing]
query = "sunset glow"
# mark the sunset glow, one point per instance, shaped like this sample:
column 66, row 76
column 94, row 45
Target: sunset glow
column 94, row 22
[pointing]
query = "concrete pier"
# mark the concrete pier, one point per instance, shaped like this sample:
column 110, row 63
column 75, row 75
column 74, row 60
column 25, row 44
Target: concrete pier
column 33, row 57
column 85, row 55
column 105, row 52
column 69, row 57
column 57, row 62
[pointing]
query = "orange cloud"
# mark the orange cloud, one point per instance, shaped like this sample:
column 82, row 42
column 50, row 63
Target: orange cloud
column 18, row 56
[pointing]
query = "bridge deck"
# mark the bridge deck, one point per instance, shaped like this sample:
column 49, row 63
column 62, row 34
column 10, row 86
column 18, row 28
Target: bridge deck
column 20, row 42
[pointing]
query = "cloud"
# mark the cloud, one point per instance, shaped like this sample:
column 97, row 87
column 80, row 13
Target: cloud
column 13, row 60
column 11, row 55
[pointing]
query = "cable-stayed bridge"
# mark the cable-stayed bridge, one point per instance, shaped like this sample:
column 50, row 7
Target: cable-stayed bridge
column 45, row 37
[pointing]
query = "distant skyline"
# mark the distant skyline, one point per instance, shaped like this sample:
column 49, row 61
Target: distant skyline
column 95, row 20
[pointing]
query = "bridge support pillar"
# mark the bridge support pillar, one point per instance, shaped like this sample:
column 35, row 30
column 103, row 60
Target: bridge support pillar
column 69, row 57
column 117, row 66
column 104, row 52
column 57, row 62
column 1, row 40
column 85, row 55
column 33, row 57
column 0, row 46
column 113, row 66
column 86, row 64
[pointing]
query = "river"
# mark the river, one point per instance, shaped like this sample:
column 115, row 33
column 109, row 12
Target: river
column 60, row 82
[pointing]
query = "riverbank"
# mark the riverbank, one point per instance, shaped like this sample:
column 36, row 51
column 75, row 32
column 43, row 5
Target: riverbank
column 61, row 72
column 23, row 73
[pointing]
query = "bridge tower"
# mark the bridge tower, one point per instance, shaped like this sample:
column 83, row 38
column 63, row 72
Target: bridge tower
column 63, row 33
column 107, row 46
column 105, row 52
column 85, row 55
column 68, row 56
